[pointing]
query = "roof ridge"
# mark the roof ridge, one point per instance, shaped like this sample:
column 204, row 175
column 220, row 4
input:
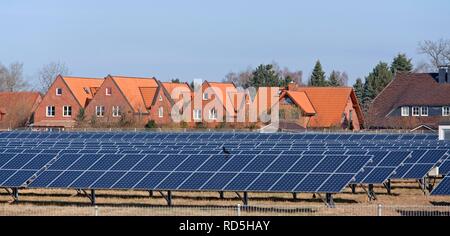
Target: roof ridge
column 131, row 77
column 80, row 77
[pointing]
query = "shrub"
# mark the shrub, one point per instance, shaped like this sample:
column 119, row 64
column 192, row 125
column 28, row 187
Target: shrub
column 183, row 124
column 151, row 124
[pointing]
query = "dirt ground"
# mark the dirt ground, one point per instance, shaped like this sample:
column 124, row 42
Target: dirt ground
column 405, row 194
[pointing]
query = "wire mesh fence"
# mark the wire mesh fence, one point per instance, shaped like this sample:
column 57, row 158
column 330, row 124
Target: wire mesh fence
column 238, row 210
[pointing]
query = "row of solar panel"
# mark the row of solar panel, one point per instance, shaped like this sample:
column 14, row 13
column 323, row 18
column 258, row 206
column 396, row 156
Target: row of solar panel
column 168, row 172
column 415, row 167
column 209, row 136
column 212, row 142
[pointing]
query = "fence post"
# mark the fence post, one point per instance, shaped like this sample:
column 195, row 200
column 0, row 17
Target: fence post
column 96, row 210
column 239, row 209
column 379, row 207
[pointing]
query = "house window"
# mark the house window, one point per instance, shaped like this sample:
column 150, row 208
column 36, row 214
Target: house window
column 205, row 96
column 86, row 90
column 445, row 111
column 160, row 98
column 197, row 114
column 405, row 111
column 100, row 111
column 213, row 114
column 115, row 111
column 67, row 111
column 415, row 111
column 424, row 111
column 108, row 91
column 161, row 112
column 58, row 91
column 50, row 111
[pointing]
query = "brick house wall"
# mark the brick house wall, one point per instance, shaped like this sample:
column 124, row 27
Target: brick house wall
column 51, row 99
column 350, row 114
column 161, row 100
column 108, row 101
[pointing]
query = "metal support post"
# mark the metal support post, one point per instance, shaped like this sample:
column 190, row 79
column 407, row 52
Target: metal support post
column 329, row 200
column 353, row 187
column 245, row 199
column 388, row 186
column 15, row 194
column 93, row 197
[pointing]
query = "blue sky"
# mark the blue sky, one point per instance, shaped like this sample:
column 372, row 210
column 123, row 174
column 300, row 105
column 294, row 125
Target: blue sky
column 207, row 39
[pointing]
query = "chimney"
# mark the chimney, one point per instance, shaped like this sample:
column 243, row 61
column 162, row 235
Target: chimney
column 442, row 75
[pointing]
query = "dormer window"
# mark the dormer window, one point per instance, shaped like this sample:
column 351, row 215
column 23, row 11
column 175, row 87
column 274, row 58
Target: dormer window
column 445, row 111
column 58, row 91
column 405, row 111
column 424, row 111
column 108, row 91
column 415, row 111
column 160, row 98
column 205, row 96
column 86, row 90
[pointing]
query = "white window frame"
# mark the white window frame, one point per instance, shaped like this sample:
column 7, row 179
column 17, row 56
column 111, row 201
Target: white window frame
column 197, row 114
column 161, row 112
column 116, row 111
column 47, row 109
column 66, row 110
column 108, row 91
column 213, row 114
column 100, row 111
column 160, row 98
column 445, row 111
column 59, row 89
column 422, row 111
column 418, row 111
column 205, row 96
column 405, row 111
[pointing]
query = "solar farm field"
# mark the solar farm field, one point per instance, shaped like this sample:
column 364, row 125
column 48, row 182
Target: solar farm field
column 133, row 173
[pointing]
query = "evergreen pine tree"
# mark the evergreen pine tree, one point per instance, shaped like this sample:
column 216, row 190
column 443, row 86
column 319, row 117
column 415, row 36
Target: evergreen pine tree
column 359, row 90
column 401, row 63
column 333, row 81
column 318, row 76
column 265, row 76
column 379, row 78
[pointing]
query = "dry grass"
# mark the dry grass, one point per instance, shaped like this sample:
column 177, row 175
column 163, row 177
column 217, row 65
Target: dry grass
column 68, row 202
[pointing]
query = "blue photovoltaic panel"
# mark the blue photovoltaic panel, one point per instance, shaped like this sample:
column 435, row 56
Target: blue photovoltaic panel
column 195, row 161
column 444, row 168
column 443, row 187
column 420, row 164
column 382, row 167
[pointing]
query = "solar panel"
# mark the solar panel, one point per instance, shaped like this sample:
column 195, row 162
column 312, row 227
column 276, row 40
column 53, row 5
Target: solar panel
column 382, row 167
column 443, row 187
column 420, row 163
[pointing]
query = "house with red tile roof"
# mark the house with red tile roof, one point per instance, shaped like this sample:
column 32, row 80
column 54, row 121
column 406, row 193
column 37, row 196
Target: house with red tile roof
column 217, row 102
column 412, row 100
column 321, row 108
column 64, row 100
column 123, row 100
column 17, row 108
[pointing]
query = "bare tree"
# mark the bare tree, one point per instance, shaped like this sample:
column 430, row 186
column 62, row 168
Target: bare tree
column 437, row 51
column 11, row 78
column 49, row 72
column 240, row 79
column 296, row 76
column 423, row 67
column 3, row 73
